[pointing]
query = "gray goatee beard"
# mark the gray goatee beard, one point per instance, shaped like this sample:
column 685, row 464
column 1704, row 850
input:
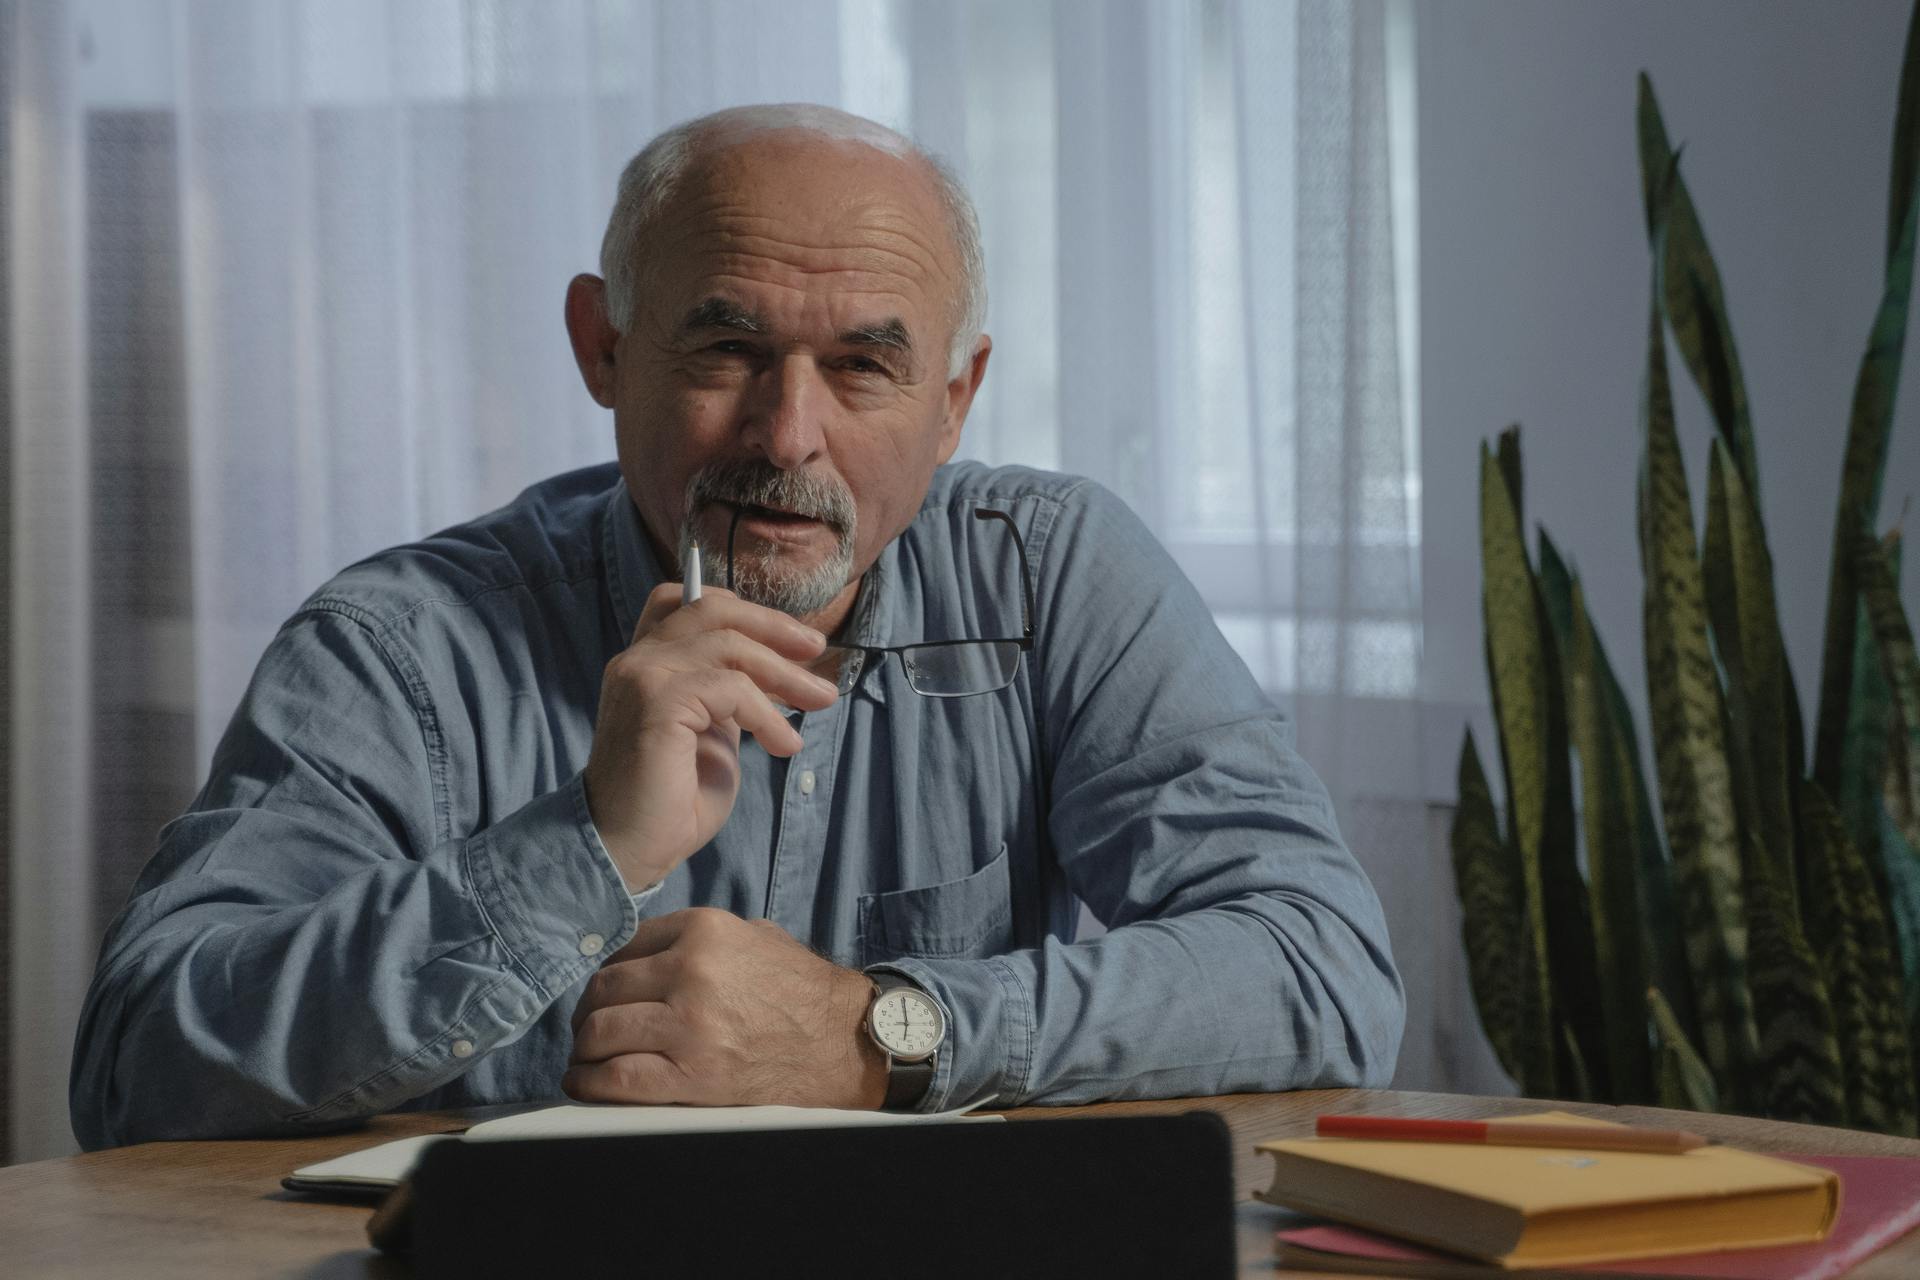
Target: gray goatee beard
column 759, row 572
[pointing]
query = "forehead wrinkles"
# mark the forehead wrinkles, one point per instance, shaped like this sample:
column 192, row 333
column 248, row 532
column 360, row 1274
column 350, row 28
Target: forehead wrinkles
column 874, row 243
column 853, row 300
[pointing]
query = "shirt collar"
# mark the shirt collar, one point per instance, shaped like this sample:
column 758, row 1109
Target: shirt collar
column 871, row 621
column 634, row 571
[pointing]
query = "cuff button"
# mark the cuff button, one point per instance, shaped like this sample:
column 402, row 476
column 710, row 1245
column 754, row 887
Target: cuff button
column 463, row 1048
column 591, row 944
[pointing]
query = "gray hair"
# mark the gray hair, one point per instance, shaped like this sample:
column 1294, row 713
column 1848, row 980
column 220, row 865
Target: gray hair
column 650, row 179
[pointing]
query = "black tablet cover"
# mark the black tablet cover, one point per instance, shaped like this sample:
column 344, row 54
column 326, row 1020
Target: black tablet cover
column 1090, row 1196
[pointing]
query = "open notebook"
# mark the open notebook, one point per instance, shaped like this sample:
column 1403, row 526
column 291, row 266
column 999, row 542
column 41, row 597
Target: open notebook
column 376, row 1170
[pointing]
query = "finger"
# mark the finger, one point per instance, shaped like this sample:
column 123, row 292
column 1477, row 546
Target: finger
column 649, row 1027
column 715, row 701
column 652, row 936
column 661, row 601
column 632, row 980
column 717, row 608
column 779, row 677
column 729, row 697
column 655, row 934
column 631, row 1077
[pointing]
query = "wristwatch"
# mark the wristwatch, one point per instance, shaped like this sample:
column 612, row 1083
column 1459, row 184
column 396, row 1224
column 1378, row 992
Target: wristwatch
column 910, row 1029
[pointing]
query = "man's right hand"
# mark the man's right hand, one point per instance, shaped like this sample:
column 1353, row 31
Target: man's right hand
column 665, row 765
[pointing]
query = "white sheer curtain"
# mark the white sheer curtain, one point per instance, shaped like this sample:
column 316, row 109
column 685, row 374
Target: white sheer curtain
column 283, row 285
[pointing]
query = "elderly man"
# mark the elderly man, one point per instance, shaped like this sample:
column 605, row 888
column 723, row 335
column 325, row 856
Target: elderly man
column 508, row 812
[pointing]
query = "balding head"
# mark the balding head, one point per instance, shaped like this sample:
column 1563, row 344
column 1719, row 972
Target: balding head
column 654, row 176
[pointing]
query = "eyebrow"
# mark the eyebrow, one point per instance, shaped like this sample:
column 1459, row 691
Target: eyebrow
column 718, row 313
column 891, row 334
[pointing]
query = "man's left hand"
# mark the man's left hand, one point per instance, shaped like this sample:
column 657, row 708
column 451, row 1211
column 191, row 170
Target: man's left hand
column 703, row 1007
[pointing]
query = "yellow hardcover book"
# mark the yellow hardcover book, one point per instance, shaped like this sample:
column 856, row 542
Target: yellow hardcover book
column 1543, row 1207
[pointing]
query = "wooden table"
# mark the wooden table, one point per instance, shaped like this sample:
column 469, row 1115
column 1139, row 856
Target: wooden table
column 216, row 1208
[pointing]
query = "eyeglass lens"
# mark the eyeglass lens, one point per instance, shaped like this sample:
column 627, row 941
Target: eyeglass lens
column 956, row 670
column 949, row 670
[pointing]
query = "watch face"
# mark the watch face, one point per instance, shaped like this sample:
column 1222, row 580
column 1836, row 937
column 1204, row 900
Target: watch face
column 907, row 1023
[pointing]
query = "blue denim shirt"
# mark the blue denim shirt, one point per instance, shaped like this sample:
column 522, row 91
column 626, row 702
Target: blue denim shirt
column 389, row 893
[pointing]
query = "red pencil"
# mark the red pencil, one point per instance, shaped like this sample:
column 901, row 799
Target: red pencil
column 1511, row 1133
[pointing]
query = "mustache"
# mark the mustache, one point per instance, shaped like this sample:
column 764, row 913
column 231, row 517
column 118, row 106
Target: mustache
column 756, row 483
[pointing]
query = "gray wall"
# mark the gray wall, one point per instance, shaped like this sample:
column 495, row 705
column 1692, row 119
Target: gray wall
column 1534, row 285
column 7, row 9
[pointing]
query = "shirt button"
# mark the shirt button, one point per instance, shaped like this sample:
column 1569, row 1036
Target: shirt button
column 591, row 944
column 463, row 1048
column 806, row 783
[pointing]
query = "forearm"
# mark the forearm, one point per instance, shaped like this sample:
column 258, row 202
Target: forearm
column 1257, row 994
column 1246, row 951
column 326, row 982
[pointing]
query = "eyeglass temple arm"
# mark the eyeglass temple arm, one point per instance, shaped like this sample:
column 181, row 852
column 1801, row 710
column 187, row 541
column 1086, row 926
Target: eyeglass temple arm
column 1026, row 576
column 733, row 527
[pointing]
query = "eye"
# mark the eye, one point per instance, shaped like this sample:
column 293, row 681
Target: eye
column 864, row 364
column 731, row 347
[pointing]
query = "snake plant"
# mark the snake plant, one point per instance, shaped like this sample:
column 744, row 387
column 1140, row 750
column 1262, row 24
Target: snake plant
column 1744, row 934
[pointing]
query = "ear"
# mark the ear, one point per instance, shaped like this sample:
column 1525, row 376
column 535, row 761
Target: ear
column 960, row 392
column 593, row 335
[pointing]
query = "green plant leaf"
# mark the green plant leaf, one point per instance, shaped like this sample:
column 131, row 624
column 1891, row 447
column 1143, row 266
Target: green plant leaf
column 1556, row 591
column 1796, row 731
column 1665, row 955
column 1864, row 759
column 1906, row 137
column 1515, row 668
column 1493, row 909
column 1696, row 785
column 1583, row 1082
column 1900, row 855
column 1612, row 828
column 1738, row 573
column 1861, row 476
column 1868, row 428
column 1900, row 865
column 1684, row 1082
column 1578, row 996
column 1860, row 969
column 1530, row 710
column 1695, row 301
column 1509, row 458
column 1799, row 1075
column 1900, row 670
column 1516, row 672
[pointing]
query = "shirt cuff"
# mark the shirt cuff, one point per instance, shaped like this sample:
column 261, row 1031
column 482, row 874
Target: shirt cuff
column 990, row 1030
column 550, row 889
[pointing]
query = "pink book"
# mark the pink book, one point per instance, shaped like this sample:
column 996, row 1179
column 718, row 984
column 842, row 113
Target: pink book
column 1879, row 1203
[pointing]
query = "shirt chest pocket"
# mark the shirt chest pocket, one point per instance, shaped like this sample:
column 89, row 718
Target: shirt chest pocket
column 961, row 919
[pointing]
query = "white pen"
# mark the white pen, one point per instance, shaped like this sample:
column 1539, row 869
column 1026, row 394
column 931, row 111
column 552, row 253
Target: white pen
column 691, row 577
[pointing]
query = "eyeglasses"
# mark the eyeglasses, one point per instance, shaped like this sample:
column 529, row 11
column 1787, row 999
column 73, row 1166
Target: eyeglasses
column 944, row 668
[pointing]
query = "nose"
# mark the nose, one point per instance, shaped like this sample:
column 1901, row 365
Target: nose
column 783, row 421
